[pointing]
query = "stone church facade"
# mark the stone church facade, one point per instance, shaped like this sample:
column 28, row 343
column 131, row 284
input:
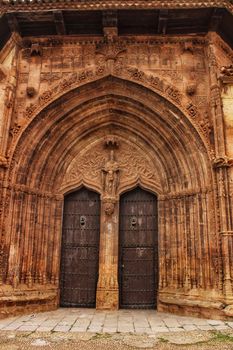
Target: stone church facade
column 116, row 159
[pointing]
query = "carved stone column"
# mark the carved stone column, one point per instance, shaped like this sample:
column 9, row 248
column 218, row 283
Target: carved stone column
column 107, row 290
column 226, row 79
column 221, row 164
column 227, row 242
column 7, row 106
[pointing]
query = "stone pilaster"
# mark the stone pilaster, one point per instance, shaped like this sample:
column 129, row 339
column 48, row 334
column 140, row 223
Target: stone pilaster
column 221, row 164
column 107, row 290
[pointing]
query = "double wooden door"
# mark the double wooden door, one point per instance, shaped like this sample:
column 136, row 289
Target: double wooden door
column 80, row 249
column 138, row 249
column 138, row 256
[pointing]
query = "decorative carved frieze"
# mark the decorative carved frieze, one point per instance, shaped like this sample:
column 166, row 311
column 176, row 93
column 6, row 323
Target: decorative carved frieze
column 85, row 76
column 117, row 4
column 111, row 49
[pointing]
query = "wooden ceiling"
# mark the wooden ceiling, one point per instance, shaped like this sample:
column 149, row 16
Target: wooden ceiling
column 129, row 22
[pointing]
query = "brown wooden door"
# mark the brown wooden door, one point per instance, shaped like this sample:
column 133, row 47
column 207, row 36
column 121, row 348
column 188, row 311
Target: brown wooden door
column 138, row 258
column 80, row 249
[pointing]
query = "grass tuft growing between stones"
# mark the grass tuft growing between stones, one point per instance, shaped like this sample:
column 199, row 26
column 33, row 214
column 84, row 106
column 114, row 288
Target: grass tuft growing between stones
column 101, row 336
column 163, row 340
column 222, row 337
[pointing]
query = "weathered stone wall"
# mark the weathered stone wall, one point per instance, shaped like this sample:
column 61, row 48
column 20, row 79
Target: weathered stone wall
column 160, row 100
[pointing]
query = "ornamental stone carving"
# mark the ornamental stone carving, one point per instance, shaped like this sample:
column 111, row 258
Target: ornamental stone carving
column 227, row 71
column 109, row 206
column 222, row 162
column 110, row 176
column 101, row 168
column 111, row 49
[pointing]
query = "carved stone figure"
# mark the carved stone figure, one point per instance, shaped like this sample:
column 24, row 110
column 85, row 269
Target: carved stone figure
column 109, row 207
column 110, row 176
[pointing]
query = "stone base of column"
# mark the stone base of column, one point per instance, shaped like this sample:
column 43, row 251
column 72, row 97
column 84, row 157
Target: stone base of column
column 227, row 287
column 107, row 299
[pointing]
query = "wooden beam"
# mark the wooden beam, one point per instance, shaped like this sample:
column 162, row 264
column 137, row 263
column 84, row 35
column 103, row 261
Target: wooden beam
column 110, row 18
column 13, row 22
column 59, row 22
column 216, row 19
column 110, row 24
column 162, row 22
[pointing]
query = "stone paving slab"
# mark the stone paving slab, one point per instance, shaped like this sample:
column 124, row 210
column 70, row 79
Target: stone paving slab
column 123, row 321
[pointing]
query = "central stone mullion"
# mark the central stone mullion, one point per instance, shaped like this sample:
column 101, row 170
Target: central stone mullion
column 107, row 296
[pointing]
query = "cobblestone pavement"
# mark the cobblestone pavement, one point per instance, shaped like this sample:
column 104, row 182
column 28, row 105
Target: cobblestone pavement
column 88, row 329
column 123, row 321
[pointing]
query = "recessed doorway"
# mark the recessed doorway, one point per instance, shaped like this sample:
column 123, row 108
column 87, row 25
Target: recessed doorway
column 80, row 249
column 138, row 253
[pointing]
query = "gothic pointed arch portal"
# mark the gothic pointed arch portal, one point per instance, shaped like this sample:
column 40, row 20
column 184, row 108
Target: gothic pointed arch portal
column 110, row 136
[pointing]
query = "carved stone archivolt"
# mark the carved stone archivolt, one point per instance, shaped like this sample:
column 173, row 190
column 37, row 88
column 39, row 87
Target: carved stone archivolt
column 155, row 67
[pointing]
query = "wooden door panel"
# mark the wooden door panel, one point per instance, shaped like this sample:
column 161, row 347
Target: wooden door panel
column 138, row 257
column 80, row 249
